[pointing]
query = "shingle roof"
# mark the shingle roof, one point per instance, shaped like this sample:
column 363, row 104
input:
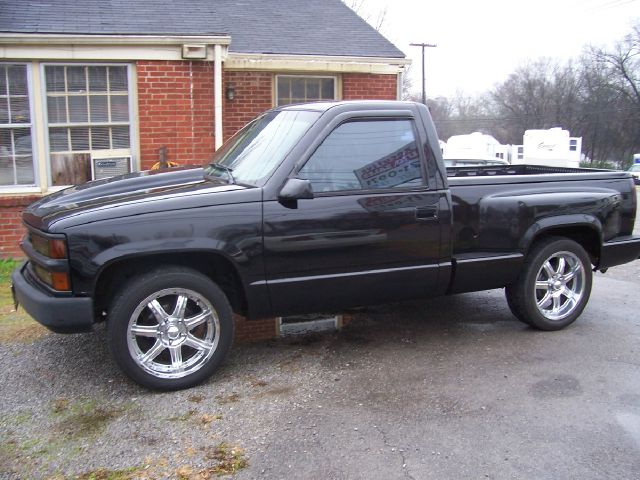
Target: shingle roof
column 311, row 27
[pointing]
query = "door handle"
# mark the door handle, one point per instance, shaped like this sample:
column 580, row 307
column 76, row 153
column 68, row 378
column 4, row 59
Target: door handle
column 426, row 214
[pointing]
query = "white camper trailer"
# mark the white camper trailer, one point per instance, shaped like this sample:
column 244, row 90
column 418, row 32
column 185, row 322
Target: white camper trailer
column 553, row 147
column 475, row 146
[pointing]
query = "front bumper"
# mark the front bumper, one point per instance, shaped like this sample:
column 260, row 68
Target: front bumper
column 59, row 314
column 618, row 251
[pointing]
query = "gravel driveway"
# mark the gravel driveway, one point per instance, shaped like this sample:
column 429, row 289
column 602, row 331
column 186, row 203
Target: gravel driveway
column 449, row 388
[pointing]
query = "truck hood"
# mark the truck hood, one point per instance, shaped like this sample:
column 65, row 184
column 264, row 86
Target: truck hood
column 131, row 194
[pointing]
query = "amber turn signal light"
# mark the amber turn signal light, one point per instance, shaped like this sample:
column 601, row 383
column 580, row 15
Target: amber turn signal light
column 60, row 281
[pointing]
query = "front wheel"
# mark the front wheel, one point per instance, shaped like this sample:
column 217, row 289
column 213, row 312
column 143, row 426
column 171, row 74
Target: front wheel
column 170, row 329
column 554, row 285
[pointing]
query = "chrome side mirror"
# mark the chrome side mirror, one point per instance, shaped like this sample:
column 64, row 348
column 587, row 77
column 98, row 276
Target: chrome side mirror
column 296, row 189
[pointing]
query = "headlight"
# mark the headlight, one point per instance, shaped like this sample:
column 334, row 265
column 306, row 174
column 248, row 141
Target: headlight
column 49, row 247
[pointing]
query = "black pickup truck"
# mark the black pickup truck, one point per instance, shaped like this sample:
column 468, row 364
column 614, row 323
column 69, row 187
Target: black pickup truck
column 313, row 208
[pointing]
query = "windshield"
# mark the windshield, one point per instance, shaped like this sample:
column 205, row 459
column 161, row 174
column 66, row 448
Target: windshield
column 251, row 155
column 635, row 168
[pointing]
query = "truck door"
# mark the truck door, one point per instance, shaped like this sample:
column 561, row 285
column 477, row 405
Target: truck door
column 372, row 231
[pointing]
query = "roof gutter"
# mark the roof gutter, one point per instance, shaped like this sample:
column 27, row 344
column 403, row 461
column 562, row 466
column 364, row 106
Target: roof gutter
column 67, row 39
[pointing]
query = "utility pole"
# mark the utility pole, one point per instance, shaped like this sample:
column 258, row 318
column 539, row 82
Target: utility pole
column 423, row 45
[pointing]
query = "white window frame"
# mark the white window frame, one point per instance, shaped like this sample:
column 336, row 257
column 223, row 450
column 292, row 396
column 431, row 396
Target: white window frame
column 35, row 187
column 335, row 79
column 133, row 127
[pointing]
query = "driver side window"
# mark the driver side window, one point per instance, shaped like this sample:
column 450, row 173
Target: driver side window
column 366, row 155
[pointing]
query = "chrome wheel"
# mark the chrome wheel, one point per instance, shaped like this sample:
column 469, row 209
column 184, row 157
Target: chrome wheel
column 173, row 333
column 559, row 286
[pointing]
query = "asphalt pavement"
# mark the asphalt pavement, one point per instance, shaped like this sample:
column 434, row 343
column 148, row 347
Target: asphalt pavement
column 453, row 388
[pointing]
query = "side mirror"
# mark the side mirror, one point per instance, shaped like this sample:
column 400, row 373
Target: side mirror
column 296, row 189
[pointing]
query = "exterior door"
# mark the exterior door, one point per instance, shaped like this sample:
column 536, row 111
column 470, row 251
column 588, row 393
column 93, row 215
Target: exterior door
column 372, row 232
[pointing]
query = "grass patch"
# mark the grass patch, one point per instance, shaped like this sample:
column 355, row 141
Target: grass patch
column 16, row 326
column 84, row 419
column 228, row 459
column 223, row 459
column 7, row 265
column 107, row 474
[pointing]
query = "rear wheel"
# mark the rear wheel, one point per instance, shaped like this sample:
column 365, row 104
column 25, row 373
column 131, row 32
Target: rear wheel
column 554, row 286
column 170, row 329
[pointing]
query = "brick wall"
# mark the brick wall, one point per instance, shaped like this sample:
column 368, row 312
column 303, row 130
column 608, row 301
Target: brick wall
column 253, row 95
column 368, row 86
column 175, row 107
column 254, row 330
column 11, row 229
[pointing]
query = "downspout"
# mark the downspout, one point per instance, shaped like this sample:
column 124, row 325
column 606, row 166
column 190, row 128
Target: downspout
column 217, row 95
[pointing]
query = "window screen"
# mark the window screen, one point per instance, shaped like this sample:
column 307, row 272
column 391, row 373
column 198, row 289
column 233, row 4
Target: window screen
column 87, row 111
column 364, row 155
column 16, row 156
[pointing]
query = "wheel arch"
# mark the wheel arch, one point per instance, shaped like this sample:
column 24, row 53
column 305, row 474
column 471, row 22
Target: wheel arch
column 214, row 265
column 585, row 230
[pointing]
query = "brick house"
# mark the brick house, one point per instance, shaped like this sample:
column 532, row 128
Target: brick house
column 94, row 88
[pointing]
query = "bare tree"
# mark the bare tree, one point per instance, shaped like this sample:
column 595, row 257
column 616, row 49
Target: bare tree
column 375, row 19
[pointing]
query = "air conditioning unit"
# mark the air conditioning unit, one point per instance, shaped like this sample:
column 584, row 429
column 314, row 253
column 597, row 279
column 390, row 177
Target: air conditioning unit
column 105, row 167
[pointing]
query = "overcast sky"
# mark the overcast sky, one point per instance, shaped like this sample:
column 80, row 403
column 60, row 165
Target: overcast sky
column 480, row 42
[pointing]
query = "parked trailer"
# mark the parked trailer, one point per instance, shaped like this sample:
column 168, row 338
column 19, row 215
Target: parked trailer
column 552, row 148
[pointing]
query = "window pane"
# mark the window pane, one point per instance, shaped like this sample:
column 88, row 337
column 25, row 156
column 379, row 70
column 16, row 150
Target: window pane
column 79, row 139
column 284, row 84
column 328, row 90
column 78, row 109
column 55, row 79
column 22, row 141
column 313, row 89
column 70, row 168
column 17, row 79
column 16, row 162
column 19, row 109
column 119, row 108
column 99, row 108
column 57, row 109
column 297, row 90
column 24, row 170
column 58, row 141
column 120, row 137
column 100, row 138
column 118, row 79
column 76, row 80
column 98, row 79
column 3, row 80
column 4, row 110
column 365, row 155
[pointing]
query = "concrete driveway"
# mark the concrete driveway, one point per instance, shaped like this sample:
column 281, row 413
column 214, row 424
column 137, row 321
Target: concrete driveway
column 447, row 388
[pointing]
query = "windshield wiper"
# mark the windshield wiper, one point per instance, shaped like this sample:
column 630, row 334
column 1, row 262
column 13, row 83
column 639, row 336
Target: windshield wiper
column 226, row 169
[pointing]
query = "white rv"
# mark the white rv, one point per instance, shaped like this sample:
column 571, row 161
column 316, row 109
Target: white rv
column 553, row 147
column 475, row 146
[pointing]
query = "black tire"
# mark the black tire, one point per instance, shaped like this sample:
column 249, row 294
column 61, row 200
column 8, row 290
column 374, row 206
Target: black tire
column 170, row 328
column 554, row 285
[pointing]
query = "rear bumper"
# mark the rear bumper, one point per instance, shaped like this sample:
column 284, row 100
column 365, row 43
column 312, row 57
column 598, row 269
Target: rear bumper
column 59, row 314
column 618, row 251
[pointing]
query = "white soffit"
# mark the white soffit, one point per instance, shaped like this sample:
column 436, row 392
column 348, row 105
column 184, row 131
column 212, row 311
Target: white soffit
column 312, row 63
column 103, row 47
